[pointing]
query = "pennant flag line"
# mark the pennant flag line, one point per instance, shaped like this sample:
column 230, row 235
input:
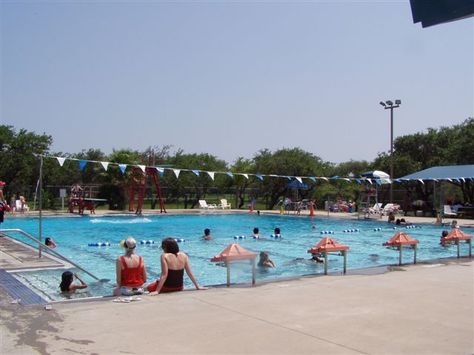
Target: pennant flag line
column 83, row 163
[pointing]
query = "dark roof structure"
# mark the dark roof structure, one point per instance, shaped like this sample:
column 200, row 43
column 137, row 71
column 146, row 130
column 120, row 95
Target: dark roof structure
column 435, row 12
column 451, row 173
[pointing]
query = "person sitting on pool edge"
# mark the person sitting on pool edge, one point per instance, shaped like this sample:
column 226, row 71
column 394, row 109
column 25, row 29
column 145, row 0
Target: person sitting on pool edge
column 173, row 265
column 50, row 242
column 130, row 270
column 265, row 260
column 391, row 217
column 67, row 286
column 207, row 234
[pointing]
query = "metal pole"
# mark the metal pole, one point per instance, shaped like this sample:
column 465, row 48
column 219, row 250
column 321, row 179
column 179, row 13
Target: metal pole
column 344, row 253
column 325, row 263
column 40, row 203
column 400, row 256
column 253, row 272
column 391, row 154
column 228, row 273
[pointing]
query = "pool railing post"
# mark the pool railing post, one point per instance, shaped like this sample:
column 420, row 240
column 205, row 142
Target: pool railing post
column 414, row 253
column 458, row 248
column 40, row 203
column 325, row 263
column 470, row 251
column 400, row 256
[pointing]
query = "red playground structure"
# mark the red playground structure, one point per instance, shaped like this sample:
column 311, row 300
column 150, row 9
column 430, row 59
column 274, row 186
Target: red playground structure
column 138, row 182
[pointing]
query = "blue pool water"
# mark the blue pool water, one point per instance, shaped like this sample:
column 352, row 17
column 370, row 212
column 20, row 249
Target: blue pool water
column 74, row 234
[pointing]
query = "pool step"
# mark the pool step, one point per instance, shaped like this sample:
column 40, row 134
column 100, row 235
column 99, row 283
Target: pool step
column 19, row 291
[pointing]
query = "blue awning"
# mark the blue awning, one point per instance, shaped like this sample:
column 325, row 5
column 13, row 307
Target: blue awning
column 295, row 184
column 451, row 172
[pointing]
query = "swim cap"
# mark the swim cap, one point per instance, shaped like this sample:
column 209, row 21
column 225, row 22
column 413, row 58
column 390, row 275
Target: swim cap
column 130, row 243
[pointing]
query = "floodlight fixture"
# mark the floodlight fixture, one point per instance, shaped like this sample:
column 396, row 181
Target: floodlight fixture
column 388, row 105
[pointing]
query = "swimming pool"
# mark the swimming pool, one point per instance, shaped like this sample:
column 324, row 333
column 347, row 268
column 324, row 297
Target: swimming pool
column 74, row 234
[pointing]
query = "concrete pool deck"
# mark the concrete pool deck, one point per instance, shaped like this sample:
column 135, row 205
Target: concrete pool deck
column 426, row 308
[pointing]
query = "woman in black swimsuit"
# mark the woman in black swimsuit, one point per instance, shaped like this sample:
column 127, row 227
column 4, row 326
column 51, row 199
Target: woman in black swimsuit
column 173, row 265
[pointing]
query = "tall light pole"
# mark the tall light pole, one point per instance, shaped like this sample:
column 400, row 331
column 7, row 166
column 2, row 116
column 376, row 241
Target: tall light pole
column 389, row 105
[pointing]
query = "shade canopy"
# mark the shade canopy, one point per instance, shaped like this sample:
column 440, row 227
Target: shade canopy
column 234, row 252
column 400, row 239
column 327, row 245
column 455, row 235
column 451, row 173
column 380, row 177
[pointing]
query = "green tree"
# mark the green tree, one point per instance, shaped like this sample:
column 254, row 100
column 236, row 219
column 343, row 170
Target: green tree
column 286, row 162
column 19, row 159
column 188, row 185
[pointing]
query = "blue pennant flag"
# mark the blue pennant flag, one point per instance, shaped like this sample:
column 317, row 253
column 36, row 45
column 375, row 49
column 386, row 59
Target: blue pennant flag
column 196, row 172
column 122, row 168
column 82, row 164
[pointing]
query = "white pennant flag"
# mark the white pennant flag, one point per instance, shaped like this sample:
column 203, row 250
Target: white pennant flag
column 176, row 172
column 160, row 170
column 211, row 174
column 245, row 175
column 300, row 180
column 142, row 167
column 61, row 161
column 105, row 165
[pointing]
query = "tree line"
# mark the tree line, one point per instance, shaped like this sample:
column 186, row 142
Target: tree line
column 20, row 151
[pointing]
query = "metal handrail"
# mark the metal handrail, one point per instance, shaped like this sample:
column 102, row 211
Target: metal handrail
column 54, row 252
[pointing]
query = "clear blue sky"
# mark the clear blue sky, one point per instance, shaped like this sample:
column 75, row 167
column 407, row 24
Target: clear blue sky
column 231, row 78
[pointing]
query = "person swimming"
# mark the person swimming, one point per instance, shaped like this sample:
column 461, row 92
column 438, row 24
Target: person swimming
column 207, row 234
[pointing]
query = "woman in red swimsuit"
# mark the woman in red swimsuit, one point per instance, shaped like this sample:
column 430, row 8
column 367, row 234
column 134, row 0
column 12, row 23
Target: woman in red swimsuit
column 173, row 264
column 130, row 271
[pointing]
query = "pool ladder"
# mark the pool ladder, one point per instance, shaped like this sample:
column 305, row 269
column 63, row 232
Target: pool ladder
column 42, row 246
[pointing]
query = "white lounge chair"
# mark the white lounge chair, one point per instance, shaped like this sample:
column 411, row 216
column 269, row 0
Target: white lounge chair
column 377, row 208
column 390, row 207
column 18, row 207
column 204, row 205
column 224, row 204
column 447, row 211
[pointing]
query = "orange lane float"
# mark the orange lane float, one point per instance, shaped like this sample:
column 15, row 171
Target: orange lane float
column 234, row 252
column 456, row 236
column 326, row 246
column 400, row 240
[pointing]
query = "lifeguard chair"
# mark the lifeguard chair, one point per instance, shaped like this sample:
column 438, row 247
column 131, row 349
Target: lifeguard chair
column 138, row 182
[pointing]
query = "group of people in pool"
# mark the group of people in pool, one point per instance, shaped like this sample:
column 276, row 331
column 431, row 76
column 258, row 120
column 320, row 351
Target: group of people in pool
column 264, row 260
column 131, row 273
column 131, row 276
column 398, row 221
